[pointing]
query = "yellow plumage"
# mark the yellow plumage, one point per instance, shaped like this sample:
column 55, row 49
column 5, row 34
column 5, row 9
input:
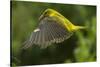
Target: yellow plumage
column 53, row 28
column 64, row 21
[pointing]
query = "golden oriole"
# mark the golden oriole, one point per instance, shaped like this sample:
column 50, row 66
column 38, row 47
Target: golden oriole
column 53, row 28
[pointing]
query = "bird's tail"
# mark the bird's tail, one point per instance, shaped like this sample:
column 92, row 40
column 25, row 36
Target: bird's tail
column 81, row 27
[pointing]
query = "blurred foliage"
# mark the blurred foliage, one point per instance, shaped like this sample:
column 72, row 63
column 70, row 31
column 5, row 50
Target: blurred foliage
column 81, row 47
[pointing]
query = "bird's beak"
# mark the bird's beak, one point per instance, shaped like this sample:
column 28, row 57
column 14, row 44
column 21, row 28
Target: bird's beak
column 41, row 17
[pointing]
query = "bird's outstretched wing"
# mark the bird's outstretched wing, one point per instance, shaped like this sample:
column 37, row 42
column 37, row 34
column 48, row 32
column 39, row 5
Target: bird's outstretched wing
column 49, row 31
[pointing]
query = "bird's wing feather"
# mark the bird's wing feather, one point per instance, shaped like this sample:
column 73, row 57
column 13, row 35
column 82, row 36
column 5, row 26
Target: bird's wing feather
column 49, row 31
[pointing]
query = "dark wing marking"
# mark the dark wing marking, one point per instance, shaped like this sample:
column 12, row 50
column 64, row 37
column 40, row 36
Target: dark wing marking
column 49, row 31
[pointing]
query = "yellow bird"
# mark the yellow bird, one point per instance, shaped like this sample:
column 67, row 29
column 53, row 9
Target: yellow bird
column 53, row 28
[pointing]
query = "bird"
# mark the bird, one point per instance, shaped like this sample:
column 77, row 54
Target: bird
column 53, row 28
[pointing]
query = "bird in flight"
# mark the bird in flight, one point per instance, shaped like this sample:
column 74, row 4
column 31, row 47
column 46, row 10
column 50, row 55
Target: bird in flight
column 53, row 28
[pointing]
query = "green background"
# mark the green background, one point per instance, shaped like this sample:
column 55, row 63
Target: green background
column 81, row 47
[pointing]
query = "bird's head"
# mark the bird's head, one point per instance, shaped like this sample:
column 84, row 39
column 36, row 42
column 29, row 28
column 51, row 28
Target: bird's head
column 48, row 13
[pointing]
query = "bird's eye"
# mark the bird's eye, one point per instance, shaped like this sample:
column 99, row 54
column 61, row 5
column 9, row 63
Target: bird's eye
column 46, row 13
